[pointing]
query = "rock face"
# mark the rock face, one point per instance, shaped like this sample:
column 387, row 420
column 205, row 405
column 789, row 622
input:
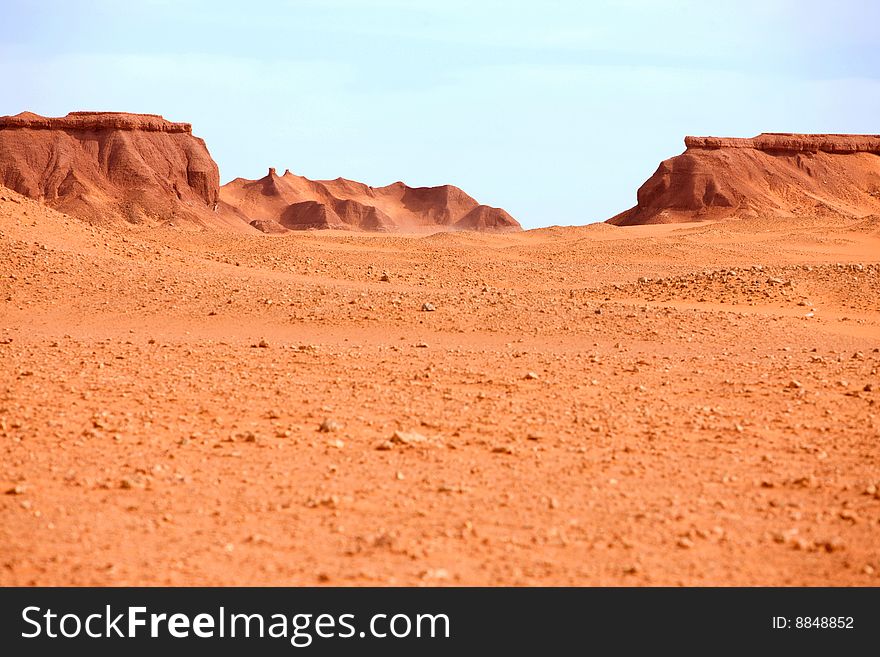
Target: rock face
column 771, row 174
column 103, row 166
column 296, row 203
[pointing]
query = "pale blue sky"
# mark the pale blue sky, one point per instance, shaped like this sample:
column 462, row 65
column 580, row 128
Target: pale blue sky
column 556, row 111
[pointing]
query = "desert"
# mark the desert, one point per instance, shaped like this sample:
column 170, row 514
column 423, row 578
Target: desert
column 187, row 399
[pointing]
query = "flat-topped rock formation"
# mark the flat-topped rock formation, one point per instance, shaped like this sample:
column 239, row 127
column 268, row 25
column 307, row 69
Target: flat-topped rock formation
column 94, row 121
column 296, row 203
column 771, row 174
column 103, row 166
column 797, row 143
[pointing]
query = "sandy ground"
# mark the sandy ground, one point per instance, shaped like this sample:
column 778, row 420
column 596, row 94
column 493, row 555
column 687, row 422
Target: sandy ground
column 585, row 406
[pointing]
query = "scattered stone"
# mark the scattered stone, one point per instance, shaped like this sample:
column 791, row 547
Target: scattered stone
column 18, row 489
column 328, row 501
column 406, row 438
column 428, row 307
column 329, row 425
column 848, row 514
column 831, row 545
column 794, row 384
column 384, row 277
column 502, row 449
column 531, row 376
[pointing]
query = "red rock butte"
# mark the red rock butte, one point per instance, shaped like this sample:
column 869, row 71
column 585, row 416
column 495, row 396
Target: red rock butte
column 106, row 166
column 141, row 168
column 773, row 174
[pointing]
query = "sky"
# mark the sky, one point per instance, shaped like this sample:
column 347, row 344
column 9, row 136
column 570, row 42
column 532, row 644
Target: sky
column 556, row 111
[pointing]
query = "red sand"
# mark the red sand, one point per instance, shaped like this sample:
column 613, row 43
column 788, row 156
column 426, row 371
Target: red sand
column 600, row 405
column 597, row 405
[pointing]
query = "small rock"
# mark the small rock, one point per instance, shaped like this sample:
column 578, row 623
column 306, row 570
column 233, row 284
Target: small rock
column 329, row 425
column 18, row 489
column 384, row 277
column 848, row 514
column 428, row 307
column 406, row 438
column 531, row 376
column 831, row 545
column 685, row 543
column 794, row 384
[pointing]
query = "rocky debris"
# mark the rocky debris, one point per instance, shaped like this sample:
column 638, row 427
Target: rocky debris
column 428, row 307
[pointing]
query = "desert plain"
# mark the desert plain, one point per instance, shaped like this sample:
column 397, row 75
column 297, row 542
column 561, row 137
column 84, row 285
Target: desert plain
column 678, row 404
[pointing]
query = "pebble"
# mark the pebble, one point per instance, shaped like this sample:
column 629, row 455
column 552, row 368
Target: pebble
column 428, row 307
column 531, row 376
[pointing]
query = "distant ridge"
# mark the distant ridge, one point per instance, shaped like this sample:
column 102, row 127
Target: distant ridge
column 297, row 203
